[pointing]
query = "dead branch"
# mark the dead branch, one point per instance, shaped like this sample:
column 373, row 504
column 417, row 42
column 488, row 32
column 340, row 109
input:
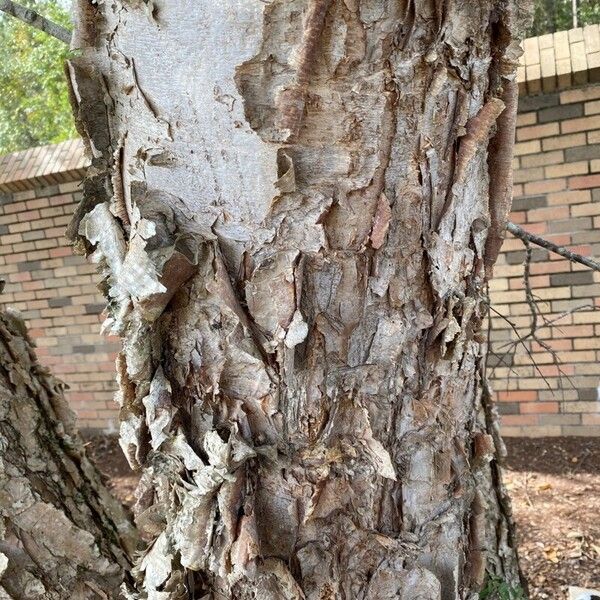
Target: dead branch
column 514, row 344
column 30, row 17
column 525, row 236
column 532, row 335
column 533, row 331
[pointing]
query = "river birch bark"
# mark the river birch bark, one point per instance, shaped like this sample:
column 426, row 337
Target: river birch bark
column 291, row 206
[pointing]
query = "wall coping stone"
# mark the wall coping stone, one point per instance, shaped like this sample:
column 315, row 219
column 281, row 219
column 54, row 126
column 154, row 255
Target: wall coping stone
column 560, row 60
column 42, row 166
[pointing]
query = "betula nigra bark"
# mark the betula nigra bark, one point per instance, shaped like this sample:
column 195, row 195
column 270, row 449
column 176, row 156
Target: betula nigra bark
column 291, row 207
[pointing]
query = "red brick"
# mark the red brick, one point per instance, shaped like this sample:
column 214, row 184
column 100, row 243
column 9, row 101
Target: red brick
column 37, row 203
column 87, row 414
column 58, row 200
column 29, row 215
column 584, row 182
column 15, row 207
column 540, row 281
column 545, row 186
column 33, row 285
column 563, row 370
column 539, row 407
column 561, row 239
column 574, row 331
column 547, row 214
column 18, row 277
column 517, row 396
column 537, row 228
column 55, row 232
column 518, row 217
column 531, row 419
column 65, row 368
column 61, row 251
column 16, row 258
column 584, row 250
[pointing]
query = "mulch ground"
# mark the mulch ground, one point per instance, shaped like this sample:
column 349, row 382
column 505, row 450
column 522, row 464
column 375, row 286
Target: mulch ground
column 555, row 486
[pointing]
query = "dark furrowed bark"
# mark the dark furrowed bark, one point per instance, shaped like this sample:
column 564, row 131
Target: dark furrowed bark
column 62, row 534
column 294, row 252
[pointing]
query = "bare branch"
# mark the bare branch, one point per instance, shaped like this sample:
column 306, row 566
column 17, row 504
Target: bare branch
column 30, row 17
column 533, row 332
column 535, row 312
column 561, row 250
column 520, row 340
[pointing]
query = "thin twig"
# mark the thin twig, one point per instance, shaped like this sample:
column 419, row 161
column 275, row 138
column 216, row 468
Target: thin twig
column 549, row 322
column 526, row 489
column 533, row 331
column 525, row 236
column 527, row 350
column 528, row 292
column 532, row 335
column 535, row 311
column 30, row 17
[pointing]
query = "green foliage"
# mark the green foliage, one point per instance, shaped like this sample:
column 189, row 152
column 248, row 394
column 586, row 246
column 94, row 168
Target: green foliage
column 35, row 108
column 497, row 589
column 557, row 15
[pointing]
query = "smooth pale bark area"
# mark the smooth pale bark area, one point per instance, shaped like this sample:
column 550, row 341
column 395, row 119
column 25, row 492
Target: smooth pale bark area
column 62, row 536
column 291, row 205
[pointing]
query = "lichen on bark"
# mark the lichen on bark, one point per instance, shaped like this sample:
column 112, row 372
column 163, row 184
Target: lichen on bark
column 294, row 253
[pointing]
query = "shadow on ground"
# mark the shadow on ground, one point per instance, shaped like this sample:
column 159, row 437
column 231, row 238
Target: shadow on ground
column 556, row 456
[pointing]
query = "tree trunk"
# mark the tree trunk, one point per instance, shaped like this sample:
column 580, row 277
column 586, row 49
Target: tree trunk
column 62, row 536
column 295, row 206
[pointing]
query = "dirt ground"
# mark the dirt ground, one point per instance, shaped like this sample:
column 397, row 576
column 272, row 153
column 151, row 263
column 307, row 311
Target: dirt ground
column 555, row 486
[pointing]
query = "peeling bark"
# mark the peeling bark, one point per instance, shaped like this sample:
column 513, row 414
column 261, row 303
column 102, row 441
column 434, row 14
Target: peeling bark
column 62, row 535
column 293, row 211
column 501, row 181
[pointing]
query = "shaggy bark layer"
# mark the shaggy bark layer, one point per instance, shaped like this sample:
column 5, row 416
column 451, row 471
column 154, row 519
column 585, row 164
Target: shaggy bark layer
column 290, row 203
column 61, row 533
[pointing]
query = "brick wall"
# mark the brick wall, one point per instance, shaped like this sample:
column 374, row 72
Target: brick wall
column 556, row 195
column 54, row 289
